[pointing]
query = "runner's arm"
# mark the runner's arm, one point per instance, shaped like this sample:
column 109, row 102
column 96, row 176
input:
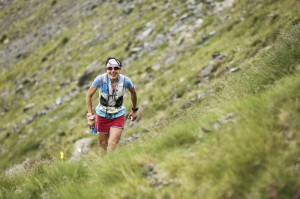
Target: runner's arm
column 88, row 98
column 133, row 115
column 133, row 97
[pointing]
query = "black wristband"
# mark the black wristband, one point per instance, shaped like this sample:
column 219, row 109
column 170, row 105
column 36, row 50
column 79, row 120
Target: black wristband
column 135, row 109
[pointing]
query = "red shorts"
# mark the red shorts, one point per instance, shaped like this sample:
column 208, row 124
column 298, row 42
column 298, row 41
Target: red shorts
column 103, row 125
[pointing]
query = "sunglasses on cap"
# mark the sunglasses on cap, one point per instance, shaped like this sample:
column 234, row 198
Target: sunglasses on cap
column 115, row 68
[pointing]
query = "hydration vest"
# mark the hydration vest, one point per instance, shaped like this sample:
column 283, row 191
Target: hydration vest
column 110, row 100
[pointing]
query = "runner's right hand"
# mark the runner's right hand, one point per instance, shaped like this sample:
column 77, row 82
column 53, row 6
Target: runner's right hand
column 91, row 119
column 91, row 123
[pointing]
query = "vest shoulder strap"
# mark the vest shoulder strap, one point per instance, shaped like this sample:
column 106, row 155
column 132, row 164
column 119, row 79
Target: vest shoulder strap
column 105, row 80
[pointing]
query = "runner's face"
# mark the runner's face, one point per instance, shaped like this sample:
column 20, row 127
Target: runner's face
column 113, row 71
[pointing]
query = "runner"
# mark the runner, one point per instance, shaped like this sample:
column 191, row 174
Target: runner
column 110, row 112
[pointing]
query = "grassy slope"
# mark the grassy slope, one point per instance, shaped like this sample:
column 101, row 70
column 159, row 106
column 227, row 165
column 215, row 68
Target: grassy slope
column 249, row 158
column 242, row 159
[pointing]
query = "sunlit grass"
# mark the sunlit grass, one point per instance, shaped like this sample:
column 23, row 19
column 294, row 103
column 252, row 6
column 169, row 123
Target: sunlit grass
column 174, row 157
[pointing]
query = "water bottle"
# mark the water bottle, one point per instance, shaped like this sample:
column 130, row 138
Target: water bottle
column 94, row 129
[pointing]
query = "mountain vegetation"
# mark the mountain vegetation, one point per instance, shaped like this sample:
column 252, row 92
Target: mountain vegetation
column 218, row 93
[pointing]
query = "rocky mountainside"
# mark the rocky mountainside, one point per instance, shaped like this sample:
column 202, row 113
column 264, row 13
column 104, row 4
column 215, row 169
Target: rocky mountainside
column 218, row 95
column 174, row 51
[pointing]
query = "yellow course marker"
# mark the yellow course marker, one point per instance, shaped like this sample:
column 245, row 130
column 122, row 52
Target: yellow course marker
column 62, row 156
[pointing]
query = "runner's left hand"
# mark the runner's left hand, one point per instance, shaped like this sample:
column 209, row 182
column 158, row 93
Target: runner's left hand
column 133, row 116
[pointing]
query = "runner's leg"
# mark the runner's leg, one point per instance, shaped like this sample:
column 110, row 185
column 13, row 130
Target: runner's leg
column 114, row 137
column 103, row 142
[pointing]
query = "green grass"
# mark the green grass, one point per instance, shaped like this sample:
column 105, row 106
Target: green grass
column 250, row 157
column 244, row 158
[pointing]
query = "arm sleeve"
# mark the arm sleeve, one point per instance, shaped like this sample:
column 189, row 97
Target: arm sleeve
column 97, row 82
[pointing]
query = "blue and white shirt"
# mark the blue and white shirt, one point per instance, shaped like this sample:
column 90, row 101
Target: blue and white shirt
column 105, row 87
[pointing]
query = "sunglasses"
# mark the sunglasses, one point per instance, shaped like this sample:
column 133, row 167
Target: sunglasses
column 115, row 68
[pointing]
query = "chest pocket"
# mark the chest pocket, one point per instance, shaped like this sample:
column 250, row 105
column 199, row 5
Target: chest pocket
column 120, row 93
column 104, row 94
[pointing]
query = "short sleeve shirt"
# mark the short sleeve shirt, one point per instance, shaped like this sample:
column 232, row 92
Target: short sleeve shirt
column 98, row 82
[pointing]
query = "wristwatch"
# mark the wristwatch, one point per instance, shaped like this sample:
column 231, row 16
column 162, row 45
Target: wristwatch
column 135, row 109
